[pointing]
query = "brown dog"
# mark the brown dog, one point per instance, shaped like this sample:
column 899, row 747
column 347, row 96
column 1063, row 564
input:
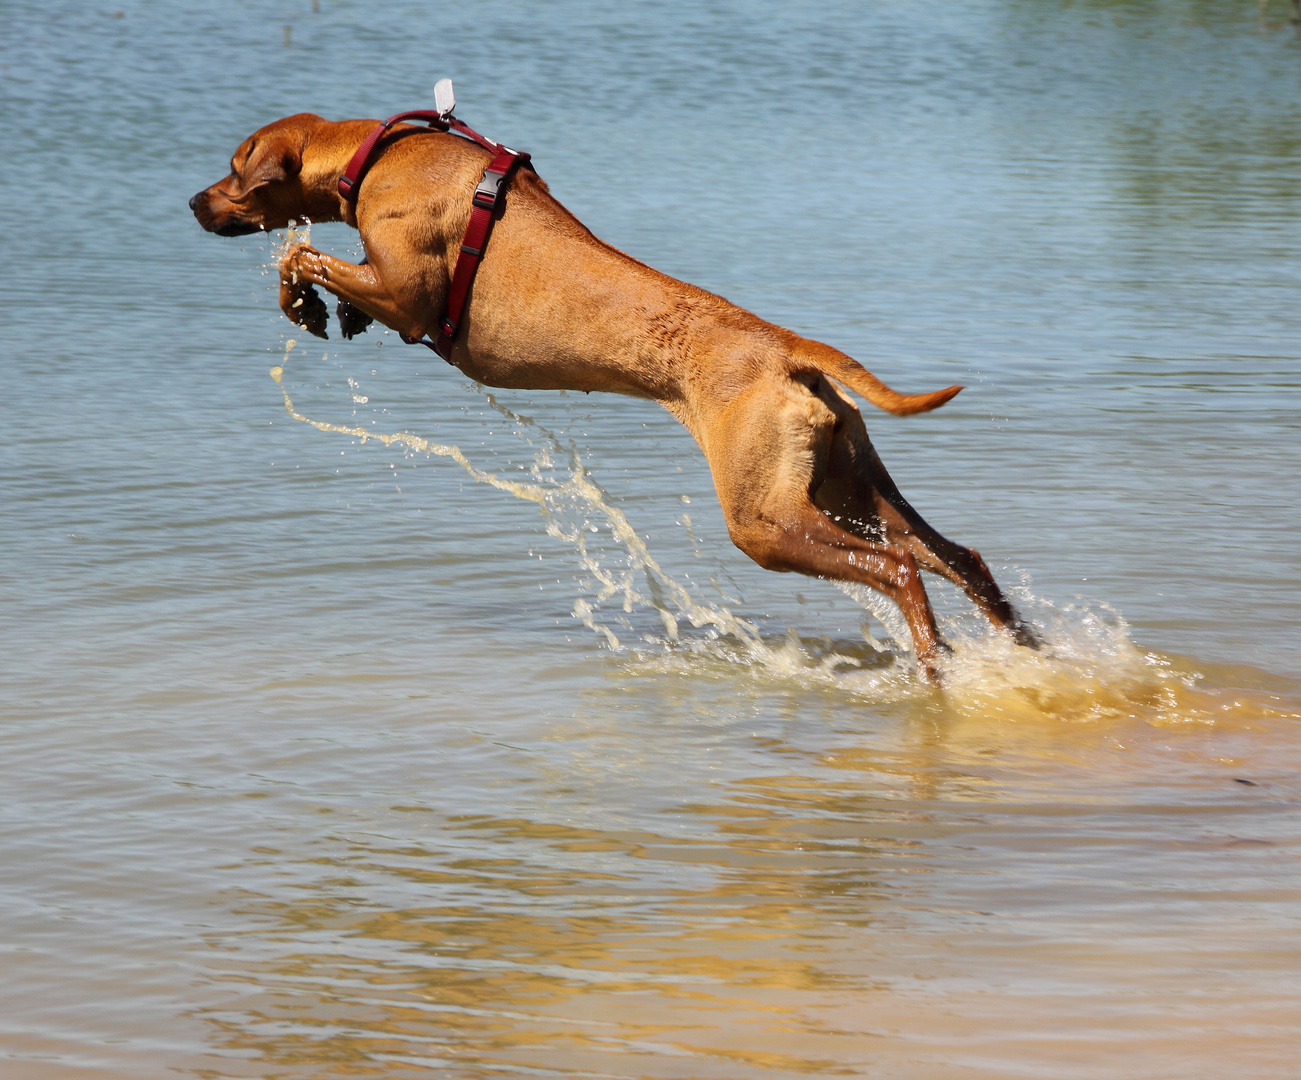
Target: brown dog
column 555, row 308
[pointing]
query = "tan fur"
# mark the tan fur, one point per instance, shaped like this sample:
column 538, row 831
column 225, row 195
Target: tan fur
column 553, row 307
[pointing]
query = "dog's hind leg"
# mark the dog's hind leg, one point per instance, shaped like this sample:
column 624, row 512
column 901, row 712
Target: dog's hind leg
column 805, row 541
column 857, row 489
column 767, row 453
column 963, row 566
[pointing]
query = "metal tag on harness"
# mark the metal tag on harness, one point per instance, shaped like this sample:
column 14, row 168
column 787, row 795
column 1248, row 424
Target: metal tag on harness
column 444, row 99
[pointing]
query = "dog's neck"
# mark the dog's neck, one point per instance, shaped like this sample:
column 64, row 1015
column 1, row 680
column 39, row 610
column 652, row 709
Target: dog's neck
column 325, row 157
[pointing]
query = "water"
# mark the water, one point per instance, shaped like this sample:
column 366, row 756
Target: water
column 480, row 751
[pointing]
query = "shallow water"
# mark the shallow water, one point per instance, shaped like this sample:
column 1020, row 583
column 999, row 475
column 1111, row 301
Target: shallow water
column 480, row 751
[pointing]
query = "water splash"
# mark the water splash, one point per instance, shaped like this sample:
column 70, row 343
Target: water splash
column 556, row 495
column 295, row 233
column 1088, row 670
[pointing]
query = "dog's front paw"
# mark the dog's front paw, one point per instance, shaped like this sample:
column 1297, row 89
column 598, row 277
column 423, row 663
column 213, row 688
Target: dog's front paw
column 352, row 320
column 304, row 306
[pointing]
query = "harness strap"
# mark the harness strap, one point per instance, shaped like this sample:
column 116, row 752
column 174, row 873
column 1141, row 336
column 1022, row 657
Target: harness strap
column 488, row 197
column 361, row 159
column 458, row 128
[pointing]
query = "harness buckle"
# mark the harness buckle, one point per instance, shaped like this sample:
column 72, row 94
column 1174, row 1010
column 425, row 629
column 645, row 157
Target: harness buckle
column 447, row 328
column 488, row 194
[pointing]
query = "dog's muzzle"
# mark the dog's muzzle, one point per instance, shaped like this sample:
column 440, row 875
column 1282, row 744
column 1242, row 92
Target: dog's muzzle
column 232, row 226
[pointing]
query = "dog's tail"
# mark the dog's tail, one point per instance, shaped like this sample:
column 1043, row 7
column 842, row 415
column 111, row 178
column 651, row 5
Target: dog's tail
column 849, row 371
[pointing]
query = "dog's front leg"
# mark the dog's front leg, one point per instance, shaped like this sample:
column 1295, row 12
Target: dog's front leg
column 352, row 320
column 360, row 286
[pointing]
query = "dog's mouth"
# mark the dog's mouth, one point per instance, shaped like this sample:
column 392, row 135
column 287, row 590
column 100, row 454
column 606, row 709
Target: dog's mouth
column 235, row 228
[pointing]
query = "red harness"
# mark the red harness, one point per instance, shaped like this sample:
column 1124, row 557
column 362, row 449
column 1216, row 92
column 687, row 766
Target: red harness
column 488, row 197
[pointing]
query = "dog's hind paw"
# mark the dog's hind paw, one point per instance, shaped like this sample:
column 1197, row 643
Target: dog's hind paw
column 1024, row 636
column 352, row 320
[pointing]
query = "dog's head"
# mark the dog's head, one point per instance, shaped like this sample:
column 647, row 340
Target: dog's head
column 265, row 187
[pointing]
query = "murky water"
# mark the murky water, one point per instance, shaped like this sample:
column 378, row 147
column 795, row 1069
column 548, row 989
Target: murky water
column 361, row 722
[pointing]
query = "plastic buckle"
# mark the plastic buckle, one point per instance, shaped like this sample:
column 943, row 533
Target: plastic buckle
column 488, row 193
column 447, row 328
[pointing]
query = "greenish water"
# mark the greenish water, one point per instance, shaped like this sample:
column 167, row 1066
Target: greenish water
column 328, row 758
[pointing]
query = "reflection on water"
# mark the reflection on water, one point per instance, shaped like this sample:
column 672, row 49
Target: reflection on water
column 868, row 904
column 560, row 968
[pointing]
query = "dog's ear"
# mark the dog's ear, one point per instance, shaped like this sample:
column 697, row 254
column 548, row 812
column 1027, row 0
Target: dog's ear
column 292, row 161
column 296, row 132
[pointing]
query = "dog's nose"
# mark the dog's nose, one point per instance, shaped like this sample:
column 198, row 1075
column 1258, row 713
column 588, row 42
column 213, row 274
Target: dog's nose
column 194, row 201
